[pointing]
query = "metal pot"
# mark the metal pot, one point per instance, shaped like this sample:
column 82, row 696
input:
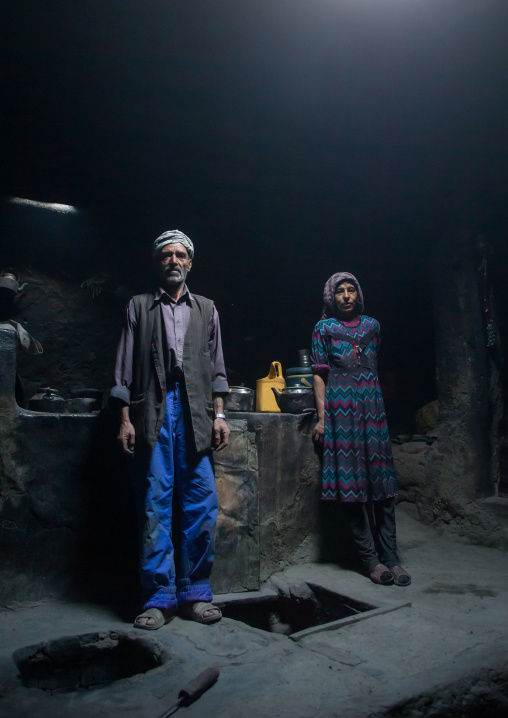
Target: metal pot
column 9, row 283
column 85, row 401
column 240, row 398
column 294, row 399
column 48, row 400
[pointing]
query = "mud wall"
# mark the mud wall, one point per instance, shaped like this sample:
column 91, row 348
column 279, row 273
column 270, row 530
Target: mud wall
column 465, row 402
column 427, row 475
column 452, row 484
column 78, row 331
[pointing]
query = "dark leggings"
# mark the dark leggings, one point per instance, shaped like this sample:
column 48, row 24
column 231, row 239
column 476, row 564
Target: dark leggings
column 373, row 527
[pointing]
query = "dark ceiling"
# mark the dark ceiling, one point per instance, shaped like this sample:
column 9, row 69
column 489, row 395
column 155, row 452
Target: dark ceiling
column 288, row 138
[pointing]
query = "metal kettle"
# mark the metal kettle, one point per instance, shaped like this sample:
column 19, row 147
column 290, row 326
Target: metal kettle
column 48, row 400
column 9, row 283
column 294, row 399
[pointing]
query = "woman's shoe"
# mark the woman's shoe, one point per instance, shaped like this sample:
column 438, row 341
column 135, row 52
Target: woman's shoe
column 400, row 576
column 381, row 575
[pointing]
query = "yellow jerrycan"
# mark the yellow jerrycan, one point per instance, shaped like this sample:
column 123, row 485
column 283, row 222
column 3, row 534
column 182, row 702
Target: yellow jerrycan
column 265, row 400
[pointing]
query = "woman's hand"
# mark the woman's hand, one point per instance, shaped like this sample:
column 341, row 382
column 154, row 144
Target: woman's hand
column 319, row 432
column 319, row 394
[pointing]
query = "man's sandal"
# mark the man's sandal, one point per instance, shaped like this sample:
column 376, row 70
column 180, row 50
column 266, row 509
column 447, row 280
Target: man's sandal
column 196, row 612
column 158, row 616
column 381, row 575
column 400, row 576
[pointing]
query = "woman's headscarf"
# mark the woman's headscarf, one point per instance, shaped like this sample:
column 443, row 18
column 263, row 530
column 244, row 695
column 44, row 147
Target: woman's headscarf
column 329, row 308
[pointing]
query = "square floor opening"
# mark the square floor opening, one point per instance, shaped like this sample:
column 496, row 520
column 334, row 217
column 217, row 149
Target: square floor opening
column 288, row 615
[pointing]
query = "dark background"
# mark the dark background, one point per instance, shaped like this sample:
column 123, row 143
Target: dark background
column 288, row 138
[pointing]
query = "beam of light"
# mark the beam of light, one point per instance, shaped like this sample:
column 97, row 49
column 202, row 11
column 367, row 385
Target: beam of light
column 53, row 206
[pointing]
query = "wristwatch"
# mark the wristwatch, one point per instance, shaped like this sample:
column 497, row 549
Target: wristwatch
column 220, row 416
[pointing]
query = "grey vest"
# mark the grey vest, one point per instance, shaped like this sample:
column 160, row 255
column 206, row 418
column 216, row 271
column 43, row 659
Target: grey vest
column 148, row 391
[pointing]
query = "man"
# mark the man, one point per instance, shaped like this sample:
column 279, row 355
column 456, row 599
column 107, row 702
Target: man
column 169, row 370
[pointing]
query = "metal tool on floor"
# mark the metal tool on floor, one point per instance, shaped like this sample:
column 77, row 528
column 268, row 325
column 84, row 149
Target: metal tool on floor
column 194, row 689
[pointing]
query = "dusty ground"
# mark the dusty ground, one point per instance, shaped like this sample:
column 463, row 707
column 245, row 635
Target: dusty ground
column 446, row 655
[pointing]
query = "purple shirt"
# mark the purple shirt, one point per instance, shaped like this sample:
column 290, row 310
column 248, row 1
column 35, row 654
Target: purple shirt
column 175, row 316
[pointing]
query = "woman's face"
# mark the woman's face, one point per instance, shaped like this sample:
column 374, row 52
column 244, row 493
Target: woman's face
column 346, row 298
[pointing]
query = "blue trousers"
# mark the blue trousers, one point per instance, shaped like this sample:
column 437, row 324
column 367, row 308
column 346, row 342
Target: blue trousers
column 177, row 508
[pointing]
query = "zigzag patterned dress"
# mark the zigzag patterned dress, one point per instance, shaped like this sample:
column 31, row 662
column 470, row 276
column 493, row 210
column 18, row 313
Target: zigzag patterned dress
column 357, row 454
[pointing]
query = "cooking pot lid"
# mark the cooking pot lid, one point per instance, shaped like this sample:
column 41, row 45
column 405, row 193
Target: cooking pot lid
column 240, row 390
column 297, row 390
column 48, row 391
column 86, row 393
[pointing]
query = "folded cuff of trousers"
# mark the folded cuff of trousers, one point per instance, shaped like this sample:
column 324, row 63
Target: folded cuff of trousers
column 161, row 602
column 188, row 592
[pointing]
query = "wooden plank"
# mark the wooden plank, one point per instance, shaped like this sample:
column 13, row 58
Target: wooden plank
column 245, row 598
column 333, row 625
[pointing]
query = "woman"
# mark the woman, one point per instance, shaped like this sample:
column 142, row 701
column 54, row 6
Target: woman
column 357, row 456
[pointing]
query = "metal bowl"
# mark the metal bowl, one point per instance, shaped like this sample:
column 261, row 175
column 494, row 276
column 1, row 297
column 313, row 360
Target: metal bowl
column 240, row 398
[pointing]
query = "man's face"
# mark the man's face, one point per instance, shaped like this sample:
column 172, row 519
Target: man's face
column 173, row 264
column 346, row 298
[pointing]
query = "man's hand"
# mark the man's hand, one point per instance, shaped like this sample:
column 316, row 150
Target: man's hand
column 127, row 436
column 220, row 436
column 319, row 432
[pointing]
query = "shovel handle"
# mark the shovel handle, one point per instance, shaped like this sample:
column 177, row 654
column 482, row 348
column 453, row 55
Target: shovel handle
column 195, row 688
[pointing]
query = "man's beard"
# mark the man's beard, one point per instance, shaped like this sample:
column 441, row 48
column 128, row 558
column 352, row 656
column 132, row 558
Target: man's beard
column 179, row 278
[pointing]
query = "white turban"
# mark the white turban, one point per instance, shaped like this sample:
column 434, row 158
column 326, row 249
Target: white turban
column 173, row 236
